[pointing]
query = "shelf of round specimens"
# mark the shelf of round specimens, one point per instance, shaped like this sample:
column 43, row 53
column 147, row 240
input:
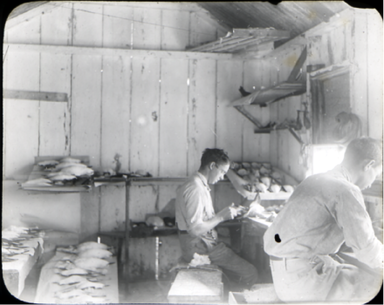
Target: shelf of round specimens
column 252, row 178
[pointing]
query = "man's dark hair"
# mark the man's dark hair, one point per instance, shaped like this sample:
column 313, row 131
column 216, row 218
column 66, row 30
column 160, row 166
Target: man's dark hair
column 214, row 155
column 361, row 149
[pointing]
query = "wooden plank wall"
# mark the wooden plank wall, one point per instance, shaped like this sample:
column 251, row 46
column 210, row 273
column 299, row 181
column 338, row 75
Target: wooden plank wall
column 354, row 36
column 156, row 114
column 368, row 98
column 284, row 148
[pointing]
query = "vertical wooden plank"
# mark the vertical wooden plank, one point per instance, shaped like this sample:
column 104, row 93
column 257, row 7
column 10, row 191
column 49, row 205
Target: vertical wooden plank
column 89, row 213
column 115, row 124
column 201, row 113
column 21, row 137
column 359, row 80
column 53, row 129
column 173, row 118
column 27, row 65
column 144, row 114
column 337, row 38
column 269, row 64
column 314, row 54
column 147, row 29
column 375, row 75
column 143, row 201
column 47, row 211
column 169, row 254
column 54, row 123
column 225, row 194
column 56, row 26
column 25, row 32
column 201, row 30
column 175, row 30
column 229, row 121
column 21, row 117
column 112, row 208
column 256, row 146
column 88, row 22
column 349, row 38
column 117, row 26
column 86, row 107
column 166, row 194
column 325, row 47
column 142, row 257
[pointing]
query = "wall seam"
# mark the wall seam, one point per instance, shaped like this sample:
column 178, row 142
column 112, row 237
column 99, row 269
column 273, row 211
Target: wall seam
column 188, row 102
column 244, row 123
column 101, row 89
column 216, row 102
column 158, row 121
column 367, row 73
column 71, row 85
column 39, row 109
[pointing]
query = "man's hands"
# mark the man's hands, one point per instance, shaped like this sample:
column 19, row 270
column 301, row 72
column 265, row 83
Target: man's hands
column 202, row 227
column 231, row 212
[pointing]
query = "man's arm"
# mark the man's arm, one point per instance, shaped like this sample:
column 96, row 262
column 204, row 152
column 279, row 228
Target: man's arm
column 200, row 227
column 194, row 213
column 357, row 228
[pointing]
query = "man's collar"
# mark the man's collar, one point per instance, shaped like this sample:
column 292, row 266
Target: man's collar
column 345, row 172
column 204, row 180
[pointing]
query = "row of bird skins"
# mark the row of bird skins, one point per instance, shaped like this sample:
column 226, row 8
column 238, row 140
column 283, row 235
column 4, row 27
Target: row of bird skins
column 82, row 273
column 57, row 172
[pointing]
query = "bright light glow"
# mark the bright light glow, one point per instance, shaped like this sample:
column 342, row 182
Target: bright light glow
column 326, row 157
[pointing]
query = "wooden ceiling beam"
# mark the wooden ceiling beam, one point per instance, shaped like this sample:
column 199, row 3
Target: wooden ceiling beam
column 69, row 50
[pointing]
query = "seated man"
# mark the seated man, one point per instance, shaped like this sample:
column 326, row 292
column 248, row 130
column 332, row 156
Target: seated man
column 196, row 219
column 325, row 211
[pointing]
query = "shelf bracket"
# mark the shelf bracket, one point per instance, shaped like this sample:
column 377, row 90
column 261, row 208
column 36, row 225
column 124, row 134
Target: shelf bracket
column 293, row 86
column 295, row 135
column 248, row 115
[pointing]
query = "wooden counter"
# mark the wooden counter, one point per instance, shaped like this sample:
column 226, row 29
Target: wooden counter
column 15, row 272
column 47, row 287
column 252, row 246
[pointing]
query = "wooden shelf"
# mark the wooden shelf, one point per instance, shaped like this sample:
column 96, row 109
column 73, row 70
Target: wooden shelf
column 292, row 86
column 266, row 96
column 155, row 180
column 242, row 39
column 37, row 173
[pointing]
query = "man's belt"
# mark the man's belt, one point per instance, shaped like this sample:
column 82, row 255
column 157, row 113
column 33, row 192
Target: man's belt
column 182, row 232
column 275, row 258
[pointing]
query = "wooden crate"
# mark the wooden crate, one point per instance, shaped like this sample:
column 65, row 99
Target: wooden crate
column 47, row 286
column 260, row 294
column 195, row 285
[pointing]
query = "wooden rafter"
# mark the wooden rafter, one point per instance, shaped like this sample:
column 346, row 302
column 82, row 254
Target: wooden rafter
column 241, row 39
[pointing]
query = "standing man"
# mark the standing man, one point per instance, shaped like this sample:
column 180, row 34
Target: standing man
column 196, row 219
column 325, row 211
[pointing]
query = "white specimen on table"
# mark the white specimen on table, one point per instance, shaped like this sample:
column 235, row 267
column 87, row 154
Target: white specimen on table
column 200, row 259
column 97, row 253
